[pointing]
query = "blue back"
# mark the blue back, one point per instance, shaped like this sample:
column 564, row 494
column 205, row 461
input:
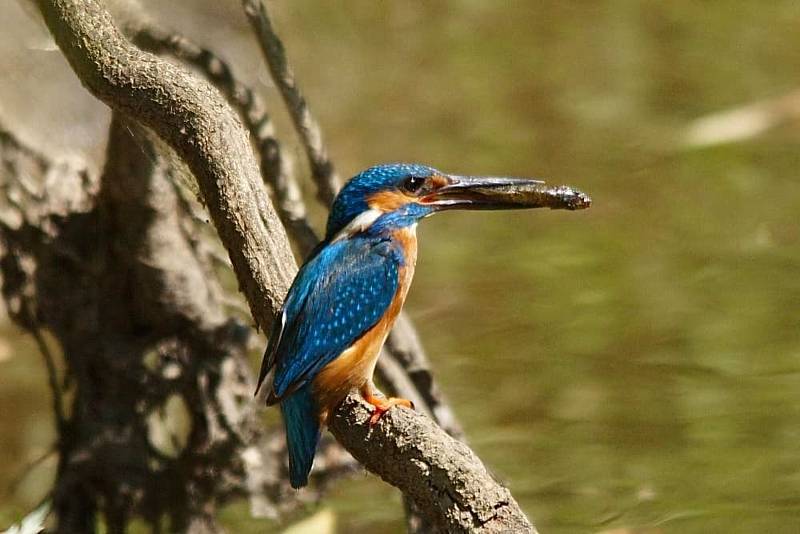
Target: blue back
column 337, row 296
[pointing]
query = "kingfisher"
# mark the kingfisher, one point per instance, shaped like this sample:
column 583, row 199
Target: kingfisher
column 345, row 298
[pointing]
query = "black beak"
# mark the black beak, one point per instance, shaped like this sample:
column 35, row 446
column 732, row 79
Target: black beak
column 501, row 193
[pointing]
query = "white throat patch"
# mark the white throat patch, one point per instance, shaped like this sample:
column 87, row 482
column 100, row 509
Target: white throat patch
column 358, row 224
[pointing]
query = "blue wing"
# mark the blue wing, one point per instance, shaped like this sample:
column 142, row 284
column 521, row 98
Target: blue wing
column 337, row 296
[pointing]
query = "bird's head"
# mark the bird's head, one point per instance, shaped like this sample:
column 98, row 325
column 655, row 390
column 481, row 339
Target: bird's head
column 407, row 192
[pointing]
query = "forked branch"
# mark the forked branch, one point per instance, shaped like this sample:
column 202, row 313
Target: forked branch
column 198, row 124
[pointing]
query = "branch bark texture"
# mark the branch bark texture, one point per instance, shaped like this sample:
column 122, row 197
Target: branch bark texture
column 198, row 124
column 275, row 168
column 441, row 475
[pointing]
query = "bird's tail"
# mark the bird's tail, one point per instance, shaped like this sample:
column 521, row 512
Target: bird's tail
column 302, row 433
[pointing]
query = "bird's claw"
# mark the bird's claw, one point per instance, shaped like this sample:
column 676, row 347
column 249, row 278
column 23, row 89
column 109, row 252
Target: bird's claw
column 382, row 405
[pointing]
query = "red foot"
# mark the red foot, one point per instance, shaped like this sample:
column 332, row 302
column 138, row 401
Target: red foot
column 383, row 405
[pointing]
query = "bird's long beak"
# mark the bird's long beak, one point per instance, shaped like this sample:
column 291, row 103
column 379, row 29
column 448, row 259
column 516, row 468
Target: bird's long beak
column 499, row 193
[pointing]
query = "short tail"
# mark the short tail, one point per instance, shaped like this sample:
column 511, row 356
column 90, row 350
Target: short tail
column 300, row 416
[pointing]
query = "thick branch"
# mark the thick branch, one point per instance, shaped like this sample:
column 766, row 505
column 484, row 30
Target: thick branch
column 440, row 474
column 275, row 167
column 195, row 121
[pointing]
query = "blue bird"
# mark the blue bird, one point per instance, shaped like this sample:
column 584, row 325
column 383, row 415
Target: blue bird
column 347, row 295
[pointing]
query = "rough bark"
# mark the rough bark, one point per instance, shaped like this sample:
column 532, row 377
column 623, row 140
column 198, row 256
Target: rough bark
column 441, row 475
column 197, row 123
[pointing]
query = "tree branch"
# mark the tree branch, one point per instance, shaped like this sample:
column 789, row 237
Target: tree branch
column 439, row 473
column 199, row 125
column 275, row 168
column 404, row 346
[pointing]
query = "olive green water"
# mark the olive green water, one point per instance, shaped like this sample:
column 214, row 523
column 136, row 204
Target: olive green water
column 633, row 366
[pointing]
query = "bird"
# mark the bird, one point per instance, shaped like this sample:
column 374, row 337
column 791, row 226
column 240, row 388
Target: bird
column 348, row 293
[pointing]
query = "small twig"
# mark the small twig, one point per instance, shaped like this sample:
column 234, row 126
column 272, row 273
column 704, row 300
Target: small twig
column 322, row 170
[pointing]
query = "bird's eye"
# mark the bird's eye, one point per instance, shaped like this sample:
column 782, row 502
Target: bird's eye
column 412, row 184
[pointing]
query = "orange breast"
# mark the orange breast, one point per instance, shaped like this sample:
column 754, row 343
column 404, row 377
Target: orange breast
column 355, row 366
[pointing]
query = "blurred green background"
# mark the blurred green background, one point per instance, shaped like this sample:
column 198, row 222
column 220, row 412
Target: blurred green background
column 635, row 366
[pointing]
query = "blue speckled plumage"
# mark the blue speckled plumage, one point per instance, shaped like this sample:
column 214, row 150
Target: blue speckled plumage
column 338, row 295
column 347, row 295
